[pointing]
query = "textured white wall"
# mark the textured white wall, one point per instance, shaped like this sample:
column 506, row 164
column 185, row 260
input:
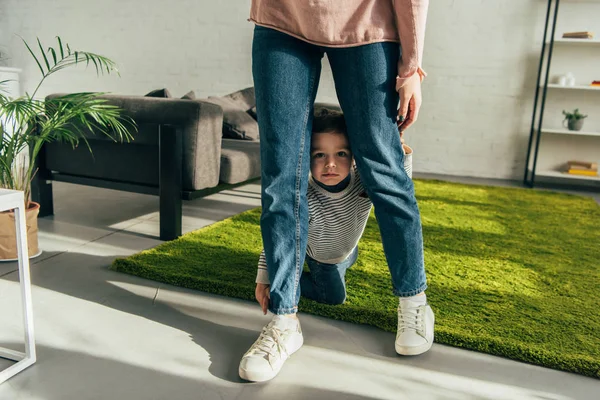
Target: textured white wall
column 481, row 56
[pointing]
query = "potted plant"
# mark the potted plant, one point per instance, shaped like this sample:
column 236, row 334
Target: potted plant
column 574, row 120
column 26, row 123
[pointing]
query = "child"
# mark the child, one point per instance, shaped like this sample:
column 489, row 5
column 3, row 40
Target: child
column 338, row 212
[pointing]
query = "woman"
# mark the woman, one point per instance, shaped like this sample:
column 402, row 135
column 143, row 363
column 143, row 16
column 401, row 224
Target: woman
column 372, row 74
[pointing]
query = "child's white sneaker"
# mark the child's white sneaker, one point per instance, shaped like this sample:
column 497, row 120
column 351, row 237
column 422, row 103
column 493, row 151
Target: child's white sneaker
column 415, row 327
column 278, row 340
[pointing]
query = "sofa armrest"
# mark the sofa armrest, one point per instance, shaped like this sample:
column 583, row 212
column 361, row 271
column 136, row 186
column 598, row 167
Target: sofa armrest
column 202, row 147
column 202, row 124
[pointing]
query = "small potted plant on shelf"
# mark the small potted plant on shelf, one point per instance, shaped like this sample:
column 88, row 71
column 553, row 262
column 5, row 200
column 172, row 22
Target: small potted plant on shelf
column 26, row 123
column 574, row 120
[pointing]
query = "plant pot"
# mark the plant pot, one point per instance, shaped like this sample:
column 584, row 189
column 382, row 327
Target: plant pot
column 575, row 124
column 8, row 235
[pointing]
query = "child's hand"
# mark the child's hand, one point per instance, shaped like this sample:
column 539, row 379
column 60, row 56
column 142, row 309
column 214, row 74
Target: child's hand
column 262, row 294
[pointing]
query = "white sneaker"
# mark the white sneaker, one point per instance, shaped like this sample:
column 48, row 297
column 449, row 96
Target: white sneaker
column 415, row 328
column 278, row 340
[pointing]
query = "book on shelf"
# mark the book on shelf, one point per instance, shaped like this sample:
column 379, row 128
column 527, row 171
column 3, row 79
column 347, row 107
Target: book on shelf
column 582, row 172
column 582, row 165
column 578, row 35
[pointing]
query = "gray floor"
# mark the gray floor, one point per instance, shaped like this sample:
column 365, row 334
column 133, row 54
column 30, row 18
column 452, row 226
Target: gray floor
column 105, row 335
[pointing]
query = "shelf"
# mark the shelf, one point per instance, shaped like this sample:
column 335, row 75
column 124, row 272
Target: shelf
column 577, row 41
column 553, row 174
column 580, row 87
column 563, row 175
column 568, row 132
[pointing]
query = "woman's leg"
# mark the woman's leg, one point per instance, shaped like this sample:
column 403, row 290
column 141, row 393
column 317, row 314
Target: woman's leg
column 286, row 75
column 326, row 283
column 365, row 84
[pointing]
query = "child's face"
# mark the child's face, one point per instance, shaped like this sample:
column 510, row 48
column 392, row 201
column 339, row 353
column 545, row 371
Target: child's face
column 330, row 158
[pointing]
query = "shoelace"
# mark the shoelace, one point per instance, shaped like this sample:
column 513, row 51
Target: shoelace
column 411, row 318
column 269, row 343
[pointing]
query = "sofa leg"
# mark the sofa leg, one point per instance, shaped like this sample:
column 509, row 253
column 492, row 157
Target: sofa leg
column 41, row 185
column 170, row 181
column 41, row 192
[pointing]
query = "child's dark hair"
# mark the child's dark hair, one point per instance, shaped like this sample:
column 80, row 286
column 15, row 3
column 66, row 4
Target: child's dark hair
column 328, row 120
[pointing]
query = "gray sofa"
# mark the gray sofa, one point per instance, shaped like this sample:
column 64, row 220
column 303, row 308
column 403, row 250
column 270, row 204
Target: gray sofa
column 179, row 152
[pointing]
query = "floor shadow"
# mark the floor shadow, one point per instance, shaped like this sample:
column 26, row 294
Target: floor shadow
column 104, row 378
column 88, row 278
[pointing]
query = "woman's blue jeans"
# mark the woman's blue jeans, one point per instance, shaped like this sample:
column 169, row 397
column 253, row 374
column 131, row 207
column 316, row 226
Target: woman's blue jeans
column 286, row 75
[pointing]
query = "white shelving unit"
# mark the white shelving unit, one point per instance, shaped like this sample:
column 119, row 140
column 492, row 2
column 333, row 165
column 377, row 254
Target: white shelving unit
column 540, row 129
column 564, row 175
column 568, row 132
column 577, row 87
column 576, row 41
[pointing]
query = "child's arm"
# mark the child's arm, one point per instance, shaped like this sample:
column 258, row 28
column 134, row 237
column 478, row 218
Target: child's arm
column 408, row 153
column 262, row 291
column 262, row 275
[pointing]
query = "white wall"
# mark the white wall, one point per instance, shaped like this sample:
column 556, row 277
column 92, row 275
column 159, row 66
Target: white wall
column 481, row 56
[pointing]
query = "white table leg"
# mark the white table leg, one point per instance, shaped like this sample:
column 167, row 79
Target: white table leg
column 26, row 359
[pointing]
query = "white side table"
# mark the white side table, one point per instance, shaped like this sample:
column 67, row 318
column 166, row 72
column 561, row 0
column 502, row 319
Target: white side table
column 9, row 200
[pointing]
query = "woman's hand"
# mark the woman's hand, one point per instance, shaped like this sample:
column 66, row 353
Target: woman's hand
column 262, row 294
column 410, row 101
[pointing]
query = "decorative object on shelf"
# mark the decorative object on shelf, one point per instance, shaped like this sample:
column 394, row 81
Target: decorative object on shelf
column 574, row 120
column 570, row 79
column 34, row 122
column 595, row 83
column 582, row 168
column 578, row 35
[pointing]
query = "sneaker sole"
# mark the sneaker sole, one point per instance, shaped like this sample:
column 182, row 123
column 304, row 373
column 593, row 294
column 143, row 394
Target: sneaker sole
column 258, row 376
column 413, row 351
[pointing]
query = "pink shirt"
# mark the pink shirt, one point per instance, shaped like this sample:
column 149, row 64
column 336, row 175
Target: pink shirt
column 347, row 23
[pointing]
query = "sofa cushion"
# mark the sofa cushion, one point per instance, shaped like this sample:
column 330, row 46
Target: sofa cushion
column 159, row 93
column 237, row 124
column 244, row 98
column 191, row 95
column 240, row 160
column 252, row 113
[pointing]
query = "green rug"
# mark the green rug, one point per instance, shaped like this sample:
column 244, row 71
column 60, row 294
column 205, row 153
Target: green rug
column 511, row 272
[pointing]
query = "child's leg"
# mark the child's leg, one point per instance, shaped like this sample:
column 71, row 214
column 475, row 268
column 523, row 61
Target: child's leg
column 326, row 283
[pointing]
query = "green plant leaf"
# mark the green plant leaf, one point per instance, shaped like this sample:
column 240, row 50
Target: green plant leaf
column 43, row 54
column 53, row 54
column 60, row 46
